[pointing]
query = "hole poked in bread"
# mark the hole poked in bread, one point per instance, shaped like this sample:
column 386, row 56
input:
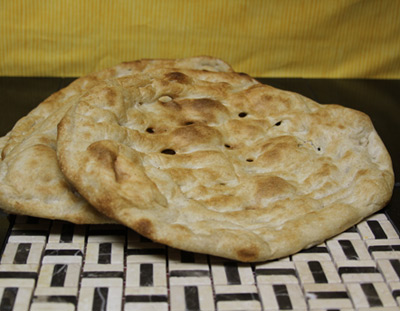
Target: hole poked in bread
column 168, row 151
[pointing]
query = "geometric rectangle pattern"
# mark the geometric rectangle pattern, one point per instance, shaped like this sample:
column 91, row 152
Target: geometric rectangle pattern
column 55, row 265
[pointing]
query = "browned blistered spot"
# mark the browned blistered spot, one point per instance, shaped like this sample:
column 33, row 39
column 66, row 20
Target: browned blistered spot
column 267, row 97
column 271, row 186
column 111, row 96
column 108, row 159
column 194, row 134
column 248, row 254
column 205, row 109
column 103, row 154
column 205, row 104
column 362, row 172
column 348, row 154
column 283, row 99
column 275, row 154
column 178, row 77
column 104, row 203
column 278, row 148
column 144, row 227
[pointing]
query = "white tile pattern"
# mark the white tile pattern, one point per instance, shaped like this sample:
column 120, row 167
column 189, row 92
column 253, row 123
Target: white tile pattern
column 49, row 265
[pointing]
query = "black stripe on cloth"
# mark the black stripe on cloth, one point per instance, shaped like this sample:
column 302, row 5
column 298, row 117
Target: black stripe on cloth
column 395, row 265
column 371, row 294
column 146, row 274
column 59, row 275
column 104, row 253
column 63, row 252
column 377, row 229
column 357, row 270
column 189, row 273
column 100, row 298
column 22, row 253
column 317, row 272
column 237, row 297
column 18, row 275
column 276, row 271
column 146, row 298
column 232, row 273
column 329, row 295
column 192, row 298
column 348, row 249
column 282, row 297
column 102, row 274
column 8, row 299
column 54, row 298
column 67, row 233
column 384, row 248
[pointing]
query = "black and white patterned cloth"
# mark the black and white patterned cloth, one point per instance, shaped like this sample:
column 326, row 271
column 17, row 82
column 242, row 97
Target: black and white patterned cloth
column 53, row 265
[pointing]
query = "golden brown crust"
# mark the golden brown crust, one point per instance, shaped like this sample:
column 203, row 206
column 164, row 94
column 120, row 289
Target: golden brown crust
column 220, row 164
column 31, row 182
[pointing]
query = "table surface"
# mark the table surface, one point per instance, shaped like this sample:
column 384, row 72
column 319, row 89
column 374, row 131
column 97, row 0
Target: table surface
column 204, row 282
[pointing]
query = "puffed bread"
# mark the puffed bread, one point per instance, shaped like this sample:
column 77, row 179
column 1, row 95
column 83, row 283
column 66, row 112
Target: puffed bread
column 219, row 164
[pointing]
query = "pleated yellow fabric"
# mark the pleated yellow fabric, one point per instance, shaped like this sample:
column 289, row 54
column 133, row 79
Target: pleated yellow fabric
column 276, row 38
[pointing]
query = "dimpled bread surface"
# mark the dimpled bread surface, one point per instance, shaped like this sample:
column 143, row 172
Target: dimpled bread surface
column 220, row 164
column 31, row 182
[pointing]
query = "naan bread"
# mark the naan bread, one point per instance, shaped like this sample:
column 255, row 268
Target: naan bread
column 217, row 163
column 31, row 182
column 3, row 142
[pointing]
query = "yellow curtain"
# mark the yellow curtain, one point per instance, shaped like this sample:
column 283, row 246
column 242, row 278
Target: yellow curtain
column 278, row 38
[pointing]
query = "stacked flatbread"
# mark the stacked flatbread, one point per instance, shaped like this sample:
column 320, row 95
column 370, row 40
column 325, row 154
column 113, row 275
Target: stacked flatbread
column 31, row 182
column 191, row 154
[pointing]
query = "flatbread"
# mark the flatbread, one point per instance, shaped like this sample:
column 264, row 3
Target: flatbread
column 30, row 123
column 31, row 182
column 219, row 164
